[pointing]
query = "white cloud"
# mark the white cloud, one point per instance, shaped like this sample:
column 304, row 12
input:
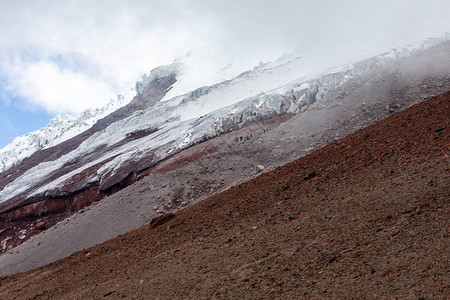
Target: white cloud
column 66, row 55
column 47, row 85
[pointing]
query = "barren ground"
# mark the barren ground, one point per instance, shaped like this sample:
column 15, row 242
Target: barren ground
column 363, row 217
column 220, row 163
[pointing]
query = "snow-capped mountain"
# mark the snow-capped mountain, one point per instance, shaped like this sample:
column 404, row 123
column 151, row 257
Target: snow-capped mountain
column 59, row 129
column 148, row 136
column 264, row 78
column 64, row 127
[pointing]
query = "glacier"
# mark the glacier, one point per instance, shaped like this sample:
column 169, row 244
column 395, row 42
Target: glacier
column 289, row 85
column 59, row 129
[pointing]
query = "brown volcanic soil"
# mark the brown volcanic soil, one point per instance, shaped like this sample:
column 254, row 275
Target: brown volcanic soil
column 364, row 217
column 213, row 166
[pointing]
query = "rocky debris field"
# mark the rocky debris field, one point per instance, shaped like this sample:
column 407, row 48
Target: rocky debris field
column 364, row 217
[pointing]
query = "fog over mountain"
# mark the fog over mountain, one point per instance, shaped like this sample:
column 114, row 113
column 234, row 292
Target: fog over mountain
column 68, row 57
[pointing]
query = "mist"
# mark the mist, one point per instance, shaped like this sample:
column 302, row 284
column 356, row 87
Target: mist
column 67, row 57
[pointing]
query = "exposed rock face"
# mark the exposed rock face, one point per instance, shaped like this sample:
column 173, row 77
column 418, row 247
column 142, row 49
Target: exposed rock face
column 53, row 205
column 145, row 88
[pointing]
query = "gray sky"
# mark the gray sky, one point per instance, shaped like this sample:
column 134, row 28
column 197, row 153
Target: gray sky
column 66, row 56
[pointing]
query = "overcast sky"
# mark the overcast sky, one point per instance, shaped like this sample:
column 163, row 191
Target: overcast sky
column 67, row 56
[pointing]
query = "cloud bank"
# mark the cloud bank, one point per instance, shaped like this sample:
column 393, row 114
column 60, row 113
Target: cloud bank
column 67, row 56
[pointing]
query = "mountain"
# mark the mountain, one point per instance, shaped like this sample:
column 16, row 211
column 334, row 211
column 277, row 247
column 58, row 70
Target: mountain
column 152, row 131
column 363, row 217
column 62, row 128
column 59, row 129
column 260, row 80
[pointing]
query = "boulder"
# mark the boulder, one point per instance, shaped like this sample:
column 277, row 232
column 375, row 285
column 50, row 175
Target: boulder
column 259, row 168
column 40, row 225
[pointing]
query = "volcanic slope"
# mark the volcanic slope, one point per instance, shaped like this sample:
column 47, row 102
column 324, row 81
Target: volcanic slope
column 363, row 217
column 219, row 163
